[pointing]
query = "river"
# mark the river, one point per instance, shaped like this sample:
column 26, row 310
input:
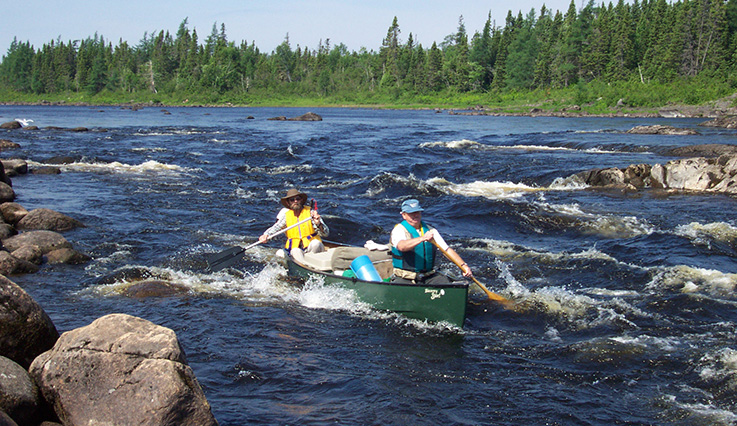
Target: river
column 627, row 301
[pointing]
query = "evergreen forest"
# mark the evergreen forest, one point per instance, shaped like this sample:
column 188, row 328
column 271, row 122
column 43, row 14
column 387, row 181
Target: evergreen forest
column 645, row 53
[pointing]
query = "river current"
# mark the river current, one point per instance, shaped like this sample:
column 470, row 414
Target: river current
column 628, row 306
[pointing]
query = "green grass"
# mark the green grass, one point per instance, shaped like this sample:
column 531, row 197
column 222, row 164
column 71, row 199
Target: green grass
column 595, row 97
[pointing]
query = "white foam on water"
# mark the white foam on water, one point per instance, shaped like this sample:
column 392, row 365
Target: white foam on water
column 702, row 233
column 464, row 143
column 687, row 279
column 698, row 413
column 651, row 343
column 468, row 144
column 279, row 170
column 116, row 167
column 605, row 225
column 150, row 149
column 316, row 295
column 490, row 190
column 577, row 308
column 720, row 366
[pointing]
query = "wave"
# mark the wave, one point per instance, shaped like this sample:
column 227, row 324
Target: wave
column 687, row 279
column 603, row 225
column 278, row 170
column 267, row 286
column 469, row 144
column 703, row 233
column 116, row 167
column 173, row 132
column 696, row 413
column 491, row 190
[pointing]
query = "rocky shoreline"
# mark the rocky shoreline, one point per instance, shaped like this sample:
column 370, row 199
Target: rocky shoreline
column 118, row 370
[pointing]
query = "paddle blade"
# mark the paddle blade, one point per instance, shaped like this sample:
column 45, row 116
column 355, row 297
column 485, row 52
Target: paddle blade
column 224, row 259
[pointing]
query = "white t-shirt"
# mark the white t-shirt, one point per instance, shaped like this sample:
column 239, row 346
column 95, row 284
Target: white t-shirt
column 399, row 233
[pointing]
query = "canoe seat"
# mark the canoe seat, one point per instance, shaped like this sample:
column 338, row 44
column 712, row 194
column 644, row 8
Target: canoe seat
column 320, row 261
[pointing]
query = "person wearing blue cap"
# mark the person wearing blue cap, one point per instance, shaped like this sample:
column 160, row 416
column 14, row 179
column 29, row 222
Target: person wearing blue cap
column 413, row 249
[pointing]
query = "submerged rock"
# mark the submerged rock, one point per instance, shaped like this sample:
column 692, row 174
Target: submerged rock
column 155, row 288
column 659, row 129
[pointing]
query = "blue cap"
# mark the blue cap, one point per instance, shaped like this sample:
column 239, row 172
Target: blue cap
column 411, row 206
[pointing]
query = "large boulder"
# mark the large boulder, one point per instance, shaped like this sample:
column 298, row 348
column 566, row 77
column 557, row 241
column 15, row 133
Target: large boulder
column 121, row 370
column 659, row 129
column 12, row 212
column 45, row 240
column 66, row 255
column 15, row 167
column 6, row 193
column 3, row 176
column 726, row 121
column 10, row 264
column 695, row 174
column 688, row 174
column 310, row 116
column 25, row 328
column 11, row 125
column 19, row 397
column 47, row 219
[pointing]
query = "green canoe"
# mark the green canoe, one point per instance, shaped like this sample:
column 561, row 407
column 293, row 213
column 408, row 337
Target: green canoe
column 431, row 302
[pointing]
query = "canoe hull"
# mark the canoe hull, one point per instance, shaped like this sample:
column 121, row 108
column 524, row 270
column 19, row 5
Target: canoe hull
column 434, row 303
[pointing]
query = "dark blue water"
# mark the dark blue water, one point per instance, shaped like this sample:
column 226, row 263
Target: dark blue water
column 627, row 301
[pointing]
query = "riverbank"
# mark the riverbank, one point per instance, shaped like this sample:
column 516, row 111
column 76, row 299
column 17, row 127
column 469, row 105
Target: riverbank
column 588, row 101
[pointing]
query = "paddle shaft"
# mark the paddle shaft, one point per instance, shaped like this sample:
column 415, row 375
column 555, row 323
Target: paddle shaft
column 230, row 256
column 279, row 233
column 454, row 259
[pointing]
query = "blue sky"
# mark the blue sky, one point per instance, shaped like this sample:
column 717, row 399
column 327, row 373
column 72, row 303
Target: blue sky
column 355, row 23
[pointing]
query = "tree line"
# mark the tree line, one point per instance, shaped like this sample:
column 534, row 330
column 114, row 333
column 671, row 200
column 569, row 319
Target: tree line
column 649, row 41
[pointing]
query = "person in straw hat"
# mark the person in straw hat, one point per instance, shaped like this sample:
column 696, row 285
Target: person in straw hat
column 307, row 237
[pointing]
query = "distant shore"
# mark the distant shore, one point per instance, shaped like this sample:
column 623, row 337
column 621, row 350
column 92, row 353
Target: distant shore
column 713, row 109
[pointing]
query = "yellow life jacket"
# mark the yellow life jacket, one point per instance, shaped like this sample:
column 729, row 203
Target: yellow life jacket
column 300, row 236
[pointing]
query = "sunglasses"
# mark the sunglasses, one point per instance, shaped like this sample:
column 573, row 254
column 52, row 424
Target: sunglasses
column 295, row 198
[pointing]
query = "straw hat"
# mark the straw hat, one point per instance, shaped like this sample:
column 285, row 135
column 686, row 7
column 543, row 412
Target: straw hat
column 291, row 193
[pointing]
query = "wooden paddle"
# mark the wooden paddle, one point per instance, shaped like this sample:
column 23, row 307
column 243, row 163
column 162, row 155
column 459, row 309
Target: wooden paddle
column 492, row 296
column 226, row 258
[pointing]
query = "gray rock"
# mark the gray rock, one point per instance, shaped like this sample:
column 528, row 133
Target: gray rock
column 726, row 121
column 705, row 150
column 6, row 193
column 66, row 255
column 10, row 265
column 6, row 144
column 49, row 220
column 12, row 212
column 15, row 167
column 688, row 174
column 121, row 370
column 46, row 240
column 25, row 329
column 11, row 125
column 19, row 396
column 659, row 129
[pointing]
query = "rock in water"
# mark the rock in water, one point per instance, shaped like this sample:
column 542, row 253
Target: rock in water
column 121, row 370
